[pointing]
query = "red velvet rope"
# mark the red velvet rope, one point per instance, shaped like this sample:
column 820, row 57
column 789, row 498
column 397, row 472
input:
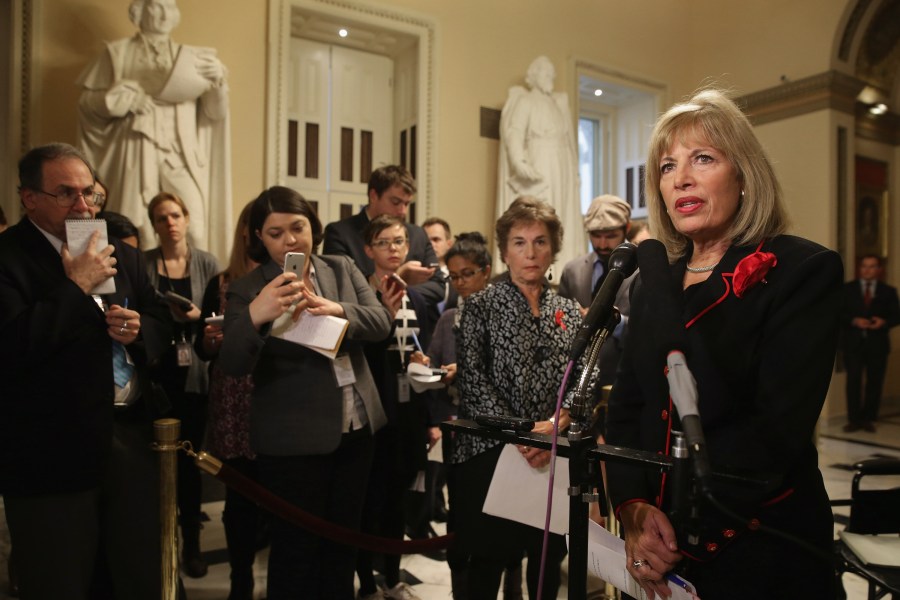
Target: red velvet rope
column 287, row 511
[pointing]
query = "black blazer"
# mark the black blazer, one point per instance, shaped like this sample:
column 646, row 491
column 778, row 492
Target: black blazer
column 762, row 364
column 56, row 409
column 884, row 304
column 345, row 237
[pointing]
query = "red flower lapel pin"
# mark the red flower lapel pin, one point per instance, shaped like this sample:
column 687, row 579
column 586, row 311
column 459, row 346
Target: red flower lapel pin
column 751, row 270
column 559, row 318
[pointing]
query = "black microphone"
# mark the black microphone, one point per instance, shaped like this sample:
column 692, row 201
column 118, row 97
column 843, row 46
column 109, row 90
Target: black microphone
column 622, row 263
column 665, row 305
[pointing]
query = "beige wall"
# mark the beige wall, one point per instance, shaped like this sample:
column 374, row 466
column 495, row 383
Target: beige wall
column 483, row 49
column 237, row 29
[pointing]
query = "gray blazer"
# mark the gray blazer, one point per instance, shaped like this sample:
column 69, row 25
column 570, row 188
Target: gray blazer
column 202, row 267
column 297, row 407
column 575, row 284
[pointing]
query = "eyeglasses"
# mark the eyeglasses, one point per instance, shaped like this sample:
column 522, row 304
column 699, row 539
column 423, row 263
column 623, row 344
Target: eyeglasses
column 385, row 244
column 69, row 197
column 464, row 276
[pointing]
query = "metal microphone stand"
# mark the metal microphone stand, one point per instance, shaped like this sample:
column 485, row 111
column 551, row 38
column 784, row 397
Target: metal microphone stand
column 584, row 455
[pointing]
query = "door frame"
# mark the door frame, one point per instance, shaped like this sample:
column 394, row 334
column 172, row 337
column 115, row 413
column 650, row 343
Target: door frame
column 423, row 28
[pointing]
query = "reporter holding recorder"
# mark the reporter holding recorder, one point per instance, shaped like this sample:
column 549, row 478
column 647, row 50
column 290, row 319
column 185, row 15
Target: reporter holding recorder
column 312, row 419
column 756, row 313
column 176, row 267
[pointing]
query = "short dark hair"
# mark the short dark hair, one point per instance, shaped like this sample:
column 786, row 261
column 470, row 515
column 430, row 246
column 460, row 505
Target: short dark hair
column 279, row 199
column 379, row 224
column 877, row 257
column 472, row 246
column 31, row 165
column 524, row 210
column 119, row 226
column 385, row 177
column 437, row 221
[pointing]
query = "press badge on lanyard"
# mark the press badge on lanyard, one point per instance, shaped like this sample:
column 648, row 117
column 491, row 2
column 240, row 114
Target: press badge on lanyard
column 343, row 370
column 402, row 388
column 183, row 351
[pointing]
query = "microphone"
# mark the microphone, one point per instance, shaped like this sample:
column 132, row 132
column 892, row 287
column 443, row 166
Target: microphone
column 665, row 304
column 622, row 263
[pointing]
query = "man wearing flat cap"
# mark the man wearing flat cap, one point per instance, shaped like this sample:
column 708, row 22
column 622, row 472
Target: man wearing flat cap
column 606, row 223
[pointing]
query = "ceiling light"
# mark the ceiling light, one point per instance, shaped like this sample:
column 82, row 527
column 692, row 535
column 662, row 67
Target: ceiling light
column 878, row 109
column 598, row 92
column 342, row 32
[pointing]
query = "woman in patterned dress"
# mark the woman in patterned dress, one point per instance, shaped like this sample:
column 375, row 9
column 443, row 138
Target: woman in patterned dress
column 512, row 353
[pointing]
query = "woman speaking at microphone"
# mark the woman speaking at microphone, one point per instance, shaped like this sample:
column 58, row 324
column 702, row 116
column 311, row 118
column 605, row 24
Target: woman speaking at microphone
column 512, row 352
column 756, row 312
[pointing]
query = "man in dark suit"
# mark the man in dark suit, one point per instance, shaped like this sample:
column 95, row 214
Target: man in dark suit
column 870, row 309
column 76, row 470
column 391, row 189
column 606, row 222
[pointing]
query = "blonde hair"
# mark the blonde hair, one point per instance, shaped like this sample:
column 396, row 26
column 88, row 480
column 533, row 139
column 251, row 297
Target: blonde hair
column 712, row 115
column 237, row 264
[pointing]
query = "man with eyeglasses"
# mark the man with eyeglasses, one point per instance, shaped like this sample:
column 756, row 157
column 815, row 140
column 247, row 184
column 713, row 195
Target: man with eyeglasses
column 391, row 189
column 76, row 470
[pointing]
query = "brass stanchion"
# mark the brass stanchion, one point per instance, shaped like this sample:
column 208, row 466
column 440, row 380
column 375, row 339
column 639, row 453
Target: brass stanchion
column 166, row 433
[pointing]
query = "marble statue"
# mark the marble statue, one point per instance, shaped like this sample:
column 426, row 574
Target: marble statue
column 538, row 153
column 153, row 116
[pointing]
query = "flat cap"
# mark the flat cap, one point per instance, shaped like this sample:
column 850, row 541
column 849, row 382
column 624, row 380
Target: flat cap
column 607, row 212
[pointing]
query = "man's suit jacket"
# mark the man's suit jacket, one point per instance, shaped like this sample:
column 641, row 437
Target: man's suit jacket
column 575, row 284
column 884, row 304
column 762, row 364
column 56, row 409
column 345, row 237
column 297, row 406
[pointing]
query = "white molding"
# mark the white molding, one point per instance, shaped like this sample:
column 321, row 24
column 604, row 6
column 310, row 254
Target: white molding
column 419, row 26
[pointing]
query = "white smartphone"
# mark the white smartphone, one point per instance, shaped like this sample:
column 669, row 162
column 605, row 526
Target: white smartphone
column 294, row 263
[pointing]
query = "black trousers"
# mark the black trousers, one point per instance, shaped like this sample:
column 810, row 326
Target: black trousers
column 330, row 486
column 493, row 543
column 56, row 536
column 862, row 405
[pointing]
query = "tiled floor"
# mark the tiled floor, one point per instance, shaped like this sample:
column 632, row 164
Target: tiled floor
column 836, row 450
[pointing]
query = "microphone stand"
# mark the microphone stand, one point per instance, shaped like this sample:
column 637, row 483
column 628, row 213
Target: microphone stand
column 584, row 472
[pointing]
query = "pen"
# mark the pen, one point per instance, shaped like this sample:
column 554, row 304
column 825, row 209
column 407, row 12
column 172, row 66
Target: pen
column 416, row 340
column 679, row 582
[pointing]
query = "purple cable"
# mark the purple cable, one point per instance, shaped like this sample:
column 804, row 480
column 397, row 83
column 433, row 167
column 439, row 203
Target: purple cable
column 559, row 399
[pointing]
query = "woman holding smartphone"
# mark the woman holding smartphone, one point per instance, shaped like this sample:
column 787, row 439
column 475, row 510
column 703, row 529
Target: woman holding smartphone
column 179, row 270
column 312, row 419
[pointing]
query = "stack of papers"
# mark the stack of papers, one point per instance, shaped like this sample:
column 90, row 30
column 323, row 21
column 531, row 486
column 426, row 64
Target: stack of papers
column 322, row 333
column 423, row 378
column 78, row 232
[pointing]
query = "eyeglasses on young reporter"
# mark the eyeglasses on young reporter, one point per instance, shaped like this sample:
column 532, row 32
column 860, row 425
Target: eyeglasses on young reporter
column 464, row 276
column 68, row 197
column 385, row 244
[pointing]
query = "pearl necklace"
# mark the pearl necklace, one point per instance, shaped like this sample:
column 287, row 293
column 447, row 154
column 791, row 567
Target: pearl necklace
column 705, row 269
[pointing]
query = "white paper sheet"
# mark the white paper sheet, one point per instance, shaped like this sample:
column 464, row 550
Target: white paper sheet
column 422, row 378
column 78, row 232
column 519, row 492
column 322, row 333
column 606, row 560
